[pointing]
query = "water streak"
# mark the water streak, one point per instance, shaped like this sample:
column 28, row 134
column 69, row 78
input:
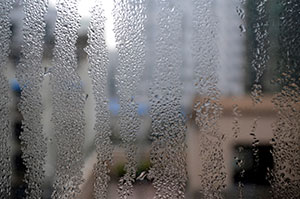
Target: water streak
column 260, row 55
column 5, row 34
column 207, row 108
column 167, row 155
column 285, row 176
column 259, row 59
column 68, row 103
column 129, row 16
column 240, row 10
column 98, row 59
column 236, row 133
column 30, row 77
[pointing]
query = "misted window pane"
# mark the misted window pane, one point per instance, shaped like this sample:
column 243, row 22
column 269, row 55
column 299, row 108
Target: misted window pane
column 149, row 99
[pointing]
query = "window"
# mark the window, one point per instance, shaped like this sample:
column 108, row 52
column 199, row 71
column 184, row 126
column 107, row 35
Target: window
column 149, row 99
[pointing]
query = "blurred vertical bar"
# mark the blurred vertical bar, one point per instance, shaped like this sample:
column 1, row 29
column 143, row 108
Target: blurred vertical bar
column 30, row 77
column 231, row 46
column 68, row 103
column 5, row 35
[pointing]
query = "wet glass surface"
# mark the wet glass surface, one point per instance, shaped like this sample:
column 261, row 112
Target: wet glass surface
column 149, row 99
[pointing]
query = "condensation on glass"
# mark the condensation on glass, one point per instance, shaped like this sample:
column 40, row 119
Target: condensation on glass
column 196, row 99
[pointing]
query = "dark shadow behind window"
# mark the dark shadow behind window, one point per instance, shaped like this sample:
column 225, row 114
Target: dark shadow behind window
column 256, row 163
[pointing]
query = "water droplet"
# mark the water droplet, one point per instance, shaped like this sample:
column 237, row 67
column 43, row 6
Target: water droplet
column 142, row 175
column 242, row 28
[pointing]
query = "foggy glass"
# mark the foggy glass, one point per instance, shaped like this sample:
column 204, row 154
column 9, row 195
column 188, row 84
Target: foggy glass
column 149, row 99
